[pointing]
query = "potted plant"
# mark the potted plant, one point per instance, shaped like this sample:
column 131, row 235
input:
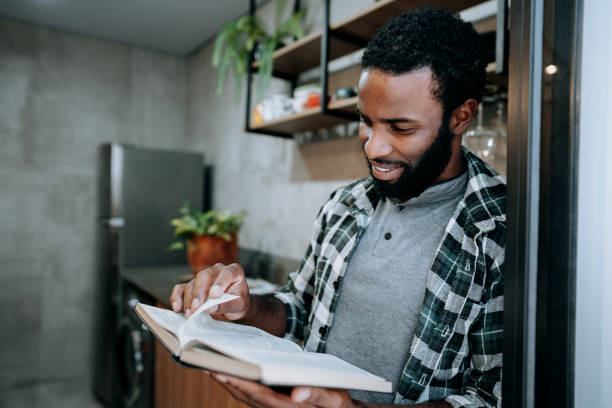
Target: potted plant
column 211, row 236
column 247, row 34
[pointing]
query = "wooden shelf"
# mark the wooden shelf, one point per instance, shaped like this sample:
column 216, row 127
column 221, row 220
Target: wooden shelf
column 349, row 35
column 304, row 54
column 310, row 119
column 348, row 105
column 345, row 37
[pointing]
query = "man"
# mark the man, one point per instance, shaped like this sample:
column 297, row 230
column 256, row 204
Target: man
column 402, row 276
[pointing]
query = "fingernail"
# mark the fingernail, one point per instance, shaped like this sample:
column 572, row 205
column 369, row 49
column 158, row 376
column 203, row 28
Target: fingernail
column 175, row 306
column 215, row 291
column 221, row 378
column 195, row 303
column 301, row 395
column 187, row 312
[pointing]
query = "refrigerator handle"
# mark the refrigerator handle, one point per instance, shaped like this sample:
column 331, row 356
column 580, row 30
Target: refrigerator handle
column 113, row 222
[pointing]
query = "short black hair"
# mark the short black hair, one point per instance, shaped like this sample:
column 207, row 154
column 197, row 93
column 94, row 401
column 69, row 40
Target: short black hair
column 439, row 40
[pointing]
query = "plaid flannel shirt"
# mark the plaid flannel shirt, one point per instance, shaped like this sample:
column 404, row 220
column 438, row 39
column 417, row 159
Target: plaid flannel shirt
column 456, row 352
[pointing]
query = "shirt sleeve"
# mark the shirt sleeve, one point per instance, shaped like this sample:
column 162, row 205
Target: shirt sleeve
column 484, row 377
column 298, row 293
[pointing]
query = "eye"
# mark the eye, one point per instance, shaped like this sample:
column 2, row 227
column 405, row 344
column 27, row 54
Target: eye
column 364, row 120
column 403, row 131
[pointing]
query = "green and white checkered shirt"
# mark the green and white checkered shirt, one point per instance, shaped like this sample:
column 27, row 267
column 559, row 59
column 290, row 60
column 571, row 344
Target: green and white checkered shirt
column 456, row 352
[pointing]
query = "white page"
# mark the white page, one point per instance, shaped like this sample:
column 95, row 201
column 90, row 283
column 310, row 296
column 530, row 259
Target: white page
column 210, row 302
column 282, row 361
column 167, row 319
column 172, row 321
column 311, row 363
column 229, row 337
column 313, row 369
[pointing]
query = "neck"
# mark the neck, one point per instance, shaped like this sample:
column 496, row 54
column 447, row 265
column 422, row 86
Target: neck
column 456, row 165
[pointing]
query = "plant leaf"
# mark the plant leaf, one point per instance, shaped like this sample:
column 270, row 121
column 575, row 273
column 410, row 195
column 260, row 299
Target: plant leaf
column 265, row 65
column 221, row 41
column 244, row 22
column 280, row 11
column 223, row 70
column 176, row 246
column 293, row 26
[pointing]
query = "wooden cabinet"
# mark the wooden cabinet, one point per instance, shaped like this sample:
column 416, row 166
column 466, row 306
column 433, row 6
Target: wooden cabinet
column 334, row 41
column 177, row 386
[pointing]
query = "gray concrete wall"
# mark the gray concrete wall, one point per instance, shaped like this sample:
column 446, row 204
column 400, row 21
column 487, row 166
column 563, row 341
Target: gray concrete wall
column 61, row 96
column 274, row 179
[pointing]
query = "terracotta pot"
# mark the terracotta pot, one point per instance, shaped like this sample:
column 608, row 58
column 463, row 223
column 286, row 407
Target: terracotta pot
column 204, row 251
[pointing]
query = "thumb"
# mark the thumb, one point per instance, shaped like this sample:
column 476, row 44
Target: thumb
column 321, row 397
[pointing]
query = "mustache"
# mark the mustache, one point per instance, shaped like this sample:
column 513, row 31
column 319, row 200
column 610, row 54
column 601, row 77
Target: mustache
column 384, row 161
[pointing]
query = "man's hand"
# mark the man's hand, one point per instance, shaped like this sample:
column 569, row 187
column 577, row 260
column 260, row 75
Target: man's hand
column 213, row 282
column 259, row 396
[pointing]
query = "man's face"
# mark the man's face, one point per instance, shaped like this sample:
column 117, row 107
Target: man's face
column 405, row 139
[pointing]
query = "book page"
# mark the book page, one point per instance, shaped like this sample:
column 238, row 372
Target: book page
column 172, row 321
column 210, row 302
column 306, row 361
column 229, row 337
column 167, row 319
column 314, row 369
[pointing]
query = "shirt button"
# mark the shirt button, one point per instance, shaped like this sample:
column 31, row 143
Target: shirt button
column 336, row 285
column 322, row 330
column 401, row 208
column 388, row 236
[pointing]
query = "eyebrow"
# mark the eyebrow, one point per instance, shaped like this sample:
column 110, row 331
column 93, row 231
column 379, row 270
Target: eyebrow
column 390, row 120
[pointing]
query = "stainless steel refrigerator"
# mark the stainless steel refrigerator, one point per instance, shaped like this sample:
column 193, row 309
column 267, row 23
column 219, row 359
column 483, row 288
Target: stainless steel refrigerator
column 140, row 191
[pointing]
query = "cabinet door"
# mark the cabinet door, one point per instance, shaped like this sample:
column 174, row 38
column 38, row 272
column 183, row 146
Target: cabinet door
column 177, row 386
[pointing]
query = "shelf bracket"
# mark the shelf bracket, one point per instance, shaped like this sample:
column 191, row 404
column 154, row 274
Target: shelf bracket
column 325, row 60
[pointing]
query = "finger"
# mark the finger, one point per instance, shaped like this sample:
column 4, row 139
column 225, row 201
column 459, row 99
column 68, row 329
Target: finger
column 234, row 392
column 176, row 298
column 231, row 280
column 187, row 297
column 228, row 276
column 232, row 310
column 321, row 397
column 202, row 285
column 259, row 393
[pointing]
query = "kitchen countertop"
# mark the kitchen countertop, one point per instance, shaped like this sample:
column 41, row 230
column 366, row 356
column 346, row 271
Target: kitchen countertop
column 157, row 281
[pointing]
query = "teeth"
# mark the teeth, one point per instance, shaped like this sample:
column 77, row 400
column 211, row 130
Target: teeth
column 382, row 169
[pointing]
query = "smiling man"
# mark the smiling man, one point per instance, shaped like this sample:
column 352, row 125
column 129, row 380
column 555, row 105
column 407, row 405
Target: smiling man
column 403, row 273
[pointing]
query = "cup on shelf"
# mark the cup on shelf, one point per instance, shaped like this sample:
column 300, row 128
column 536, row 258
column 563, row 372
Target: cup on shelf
column 306, row 96
column 276, row 107
column 345, row 92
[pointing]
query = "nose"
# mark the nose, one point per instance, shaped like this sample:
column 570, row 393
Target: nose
column 377, row 143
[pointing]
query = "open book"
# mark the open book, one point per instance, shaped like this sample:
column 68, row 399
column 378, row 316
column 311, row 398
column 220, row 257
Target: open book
column 250, row 353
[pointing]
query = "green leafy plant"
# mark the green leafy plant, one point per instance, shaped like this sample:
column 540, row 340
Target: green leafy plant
column 240, row 37
column 213, row 223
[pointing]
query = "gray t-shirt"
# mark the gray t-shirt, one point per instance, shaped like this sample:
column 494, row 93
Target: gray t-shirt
column 384, row 285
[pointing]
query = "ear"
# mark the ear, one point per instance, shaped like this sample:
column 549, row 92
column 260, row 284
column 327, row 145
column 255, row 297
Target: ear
column 462, row 117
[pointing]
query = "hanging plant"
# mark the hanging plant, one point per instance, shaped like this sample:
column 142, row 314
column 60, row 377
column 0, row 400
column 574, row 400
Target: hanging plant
column 248, row 33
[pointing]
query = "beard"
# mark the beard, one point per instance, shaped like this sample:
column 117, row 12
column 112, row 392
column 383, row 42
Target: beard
column 415, row 179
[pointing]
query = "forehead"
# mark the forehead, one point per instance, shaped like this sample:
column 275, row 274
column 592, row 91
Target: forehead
column 384, row 95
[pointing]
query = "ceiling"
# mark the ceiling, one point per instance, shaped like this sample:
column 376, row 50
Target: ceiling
column 172, row 26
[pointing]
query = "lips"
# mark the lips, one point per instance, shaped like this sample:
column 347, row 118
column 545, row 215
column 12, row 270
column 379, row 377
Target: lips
column 386, row 171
